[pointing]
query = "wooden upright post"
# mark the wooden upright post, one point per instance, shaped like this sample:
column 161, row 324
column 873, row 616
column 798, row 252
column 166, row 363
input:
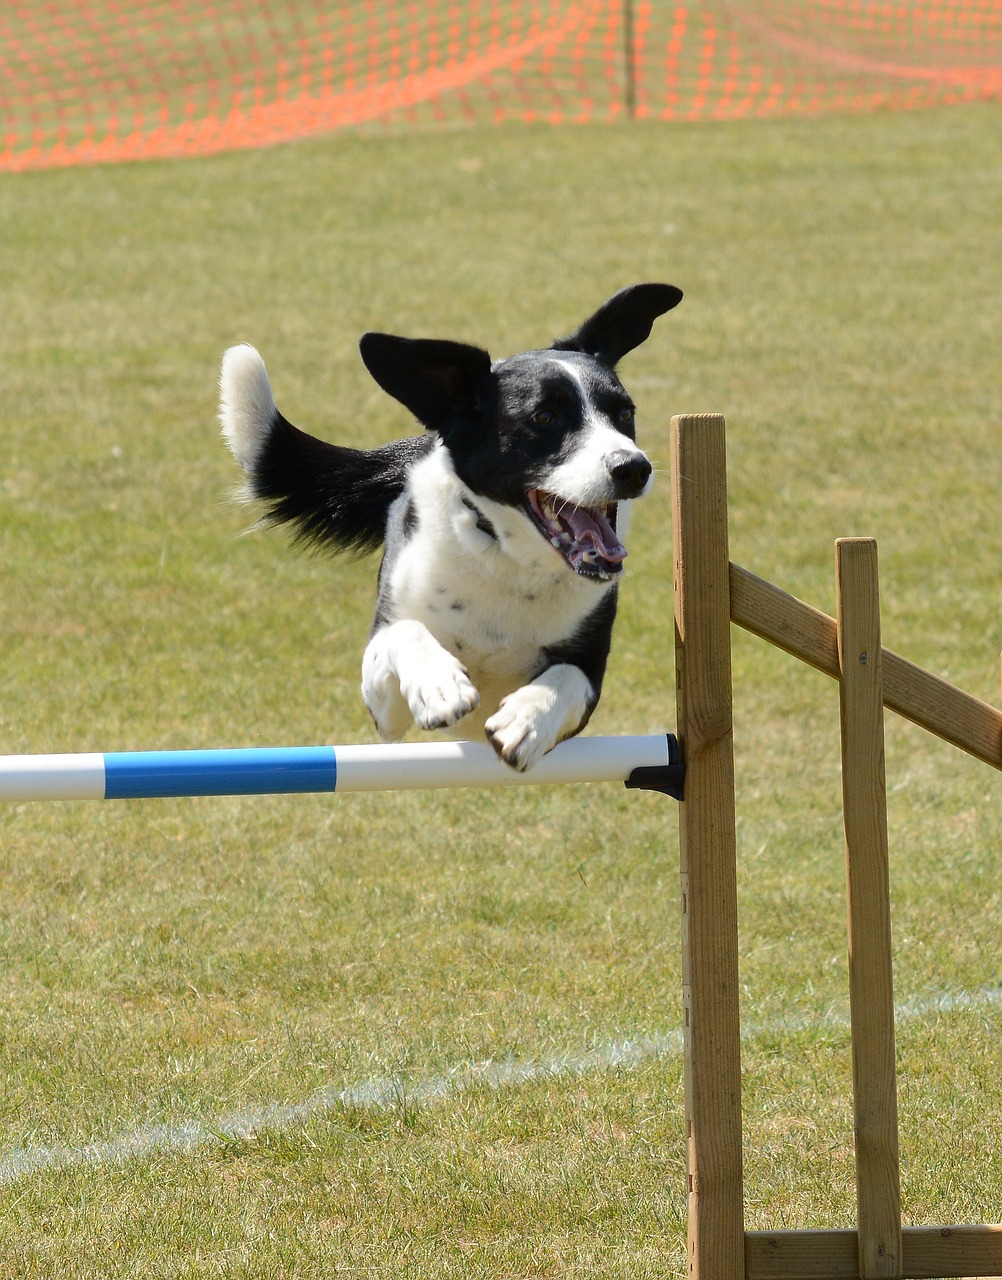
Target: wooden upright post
column 871, row 991
column 707, row 845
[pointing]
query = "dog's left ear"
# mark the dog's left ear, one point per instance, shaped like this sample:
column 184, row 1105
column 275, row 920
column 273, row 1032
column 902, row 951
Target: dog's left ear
column 622, row 323
column 430, row 377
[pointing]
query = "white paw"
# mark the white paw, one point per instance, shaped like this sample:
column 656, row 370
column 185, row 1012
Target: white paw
column 533, row 719
column 381, row 695
column 439, row 691
column 407, row 675
column 517, row 730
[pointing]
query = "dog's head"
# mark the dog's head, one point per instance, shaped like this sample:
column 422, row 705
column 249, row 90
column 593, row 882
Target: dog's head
column 549, row 433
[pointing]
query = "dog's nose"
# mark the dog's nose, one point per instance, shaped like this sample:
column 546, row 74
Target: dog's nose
column 630, row 471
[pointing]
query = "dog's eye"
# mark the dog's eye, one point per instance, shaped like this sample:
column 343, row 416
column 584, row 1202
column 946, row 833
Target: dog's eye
column 544, row 418
column 626, row 415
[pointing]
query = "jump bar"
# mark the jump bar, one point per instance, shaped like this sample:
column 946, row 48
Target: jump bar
column 652, row 761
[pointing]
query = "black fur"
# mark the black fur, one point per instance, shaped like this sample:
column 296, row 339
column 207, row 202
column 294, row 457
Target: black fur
column 622, row 323
column 589, row 647
column 336, row 498
column 497, row 588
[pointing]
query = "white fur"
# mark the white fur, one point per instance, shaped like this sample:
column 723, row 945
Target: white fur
column 246, row 404
column 405, row 663
column 583, row 479
column 470, row 614
column 539, row 715
column 435, row 661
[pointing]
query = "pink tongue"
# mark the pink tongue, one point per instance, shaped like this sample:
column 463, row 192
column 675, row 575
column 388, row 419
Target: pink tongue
column 589, row 525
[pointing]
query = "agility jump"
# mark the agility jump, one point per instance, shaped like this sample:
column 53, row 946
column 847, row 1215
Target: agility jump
column 711, row 593
column 649, row 762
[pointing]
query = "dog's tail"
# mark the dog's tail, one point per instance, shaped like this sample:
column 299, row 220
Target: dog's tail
column 334, row 497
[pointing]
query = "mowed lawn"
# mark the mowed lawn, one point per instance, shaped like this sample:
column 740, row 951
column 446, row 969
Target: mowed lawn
column 436, row 1035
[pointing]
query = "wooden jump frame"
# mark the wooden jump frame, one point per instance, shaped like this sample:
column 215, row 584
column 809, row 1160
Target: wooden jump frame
column 710, row 593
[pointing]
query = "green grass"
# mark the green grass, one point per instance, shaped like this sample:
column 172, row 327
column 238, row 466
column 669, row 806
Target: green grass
column 167, row 962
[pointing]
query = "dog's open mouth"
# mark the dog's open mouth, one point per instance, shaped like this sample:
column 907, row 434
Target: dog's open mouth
column 584, row 536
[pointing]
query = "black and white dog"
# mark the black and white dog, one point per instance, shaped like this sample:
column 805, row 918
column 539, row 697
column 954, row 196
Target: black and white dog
column 497, row 587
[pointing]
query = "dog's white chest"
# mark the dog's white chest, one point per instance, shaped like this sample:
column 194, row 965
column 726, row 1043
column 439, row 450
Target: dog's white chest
column 494, row 623
column 482, row 582
column 494, row 606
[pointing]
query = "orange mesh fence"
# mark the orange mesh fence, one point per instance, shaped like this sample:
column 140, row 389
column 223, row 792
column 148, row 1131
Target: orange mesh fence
column 107, row 80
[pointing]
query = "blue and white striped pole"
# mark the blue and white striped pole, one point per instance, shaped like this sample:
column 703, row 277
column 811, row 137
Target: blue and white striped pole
column 639, row 761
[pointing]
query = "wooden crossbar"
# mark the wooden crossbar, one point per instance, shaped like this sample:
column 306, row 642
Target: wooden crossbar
column 926, row 1253
column 710, row 593
column 918, row 695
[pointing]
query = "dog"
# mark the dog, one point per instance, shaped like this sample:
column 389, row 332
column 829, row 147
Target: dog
column 501, row 525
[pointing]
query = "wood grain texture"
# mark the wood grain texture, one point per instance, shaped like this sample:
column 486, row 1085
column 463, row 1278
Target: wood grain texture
column 910, row 691
column 707, row 849
column 927, row 1253
column 871, row 984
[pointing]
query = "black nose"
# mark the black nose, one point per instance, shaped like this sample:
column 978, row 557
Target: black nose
column 630, row 471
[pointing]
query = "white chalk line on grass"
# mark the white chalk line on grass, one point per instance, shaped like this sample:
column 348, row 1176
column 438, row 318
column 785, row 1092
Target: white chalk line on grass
column 388, row 1093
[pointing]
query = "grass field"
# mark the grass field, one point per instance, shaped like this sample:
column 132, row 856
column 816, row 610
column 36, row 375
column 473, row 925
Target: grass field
column 270, row 1022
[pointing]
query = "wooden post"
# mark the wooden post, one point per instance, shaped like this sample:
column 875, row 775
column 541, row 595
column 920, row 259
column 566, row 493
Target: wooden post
column 707, row 846
column 871, row 993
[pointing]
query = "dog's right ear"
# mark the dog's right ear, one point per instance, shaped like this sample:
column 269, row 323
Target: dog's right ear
column 622, row 323
column 432, row 378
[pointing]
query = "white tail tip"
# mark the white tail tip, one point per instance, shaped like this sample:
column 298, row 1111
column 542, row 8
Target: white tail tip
column 246, row 404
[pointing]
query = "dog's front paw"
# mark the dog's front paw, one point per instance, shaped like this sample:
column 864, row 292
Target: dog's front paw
column 407, row 675
column 513, row 732
column 439, row 691
column 524, row 727
column 533, row 719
